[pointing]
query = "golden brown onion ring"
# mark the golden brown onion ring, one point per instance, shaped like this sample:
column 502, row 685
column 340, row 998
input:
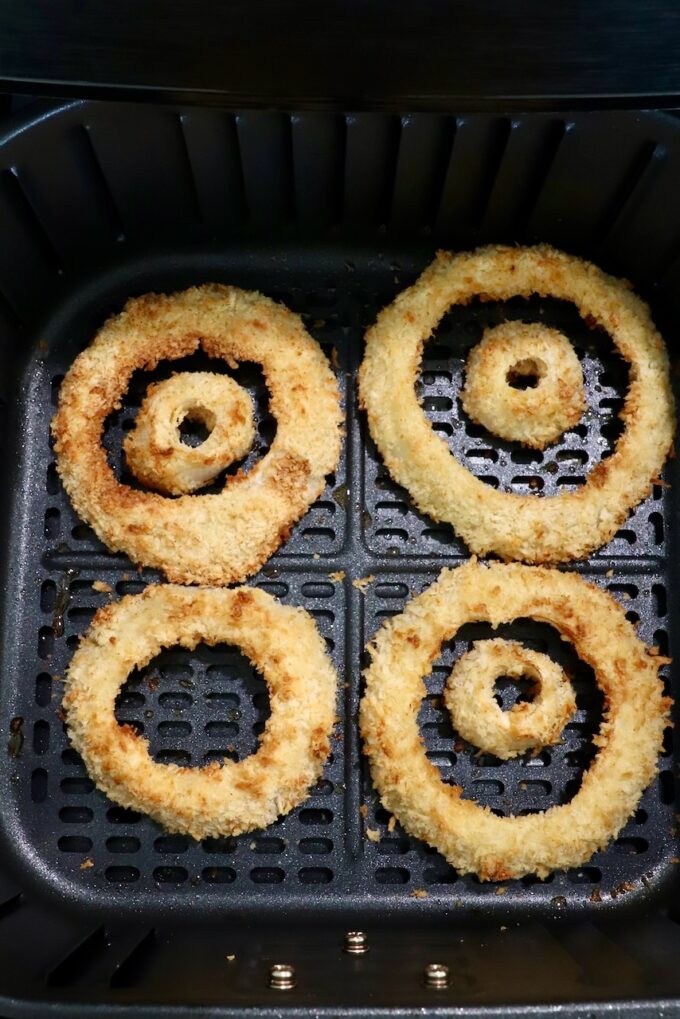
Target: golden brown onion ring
column 217, row 799
column 469, row 696
column 470, row 836
column 550, row 529
column 154, row 449
column 535, row 416
column 206, row 539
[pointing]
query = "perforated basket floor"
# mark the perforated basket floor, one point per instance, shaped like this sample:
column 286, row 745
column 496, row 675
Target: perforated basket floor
column 70, row 851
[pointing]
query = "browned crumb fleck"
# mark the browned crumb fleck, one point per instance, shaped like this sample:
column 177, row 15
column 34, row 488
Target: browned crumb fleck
column 335, row 360
column 86, row 864
column 501, row 890
column 61, row 714
column 595, row 895
column 126, row 576
column 337, row 577
column 101, row 586
column 363, row 810
column 622, row 888
column 372, row 835
column 391, row 824
column 230, row 958
column 43, row 346
column 361, row 583
column 675, row 859
column 419, row 893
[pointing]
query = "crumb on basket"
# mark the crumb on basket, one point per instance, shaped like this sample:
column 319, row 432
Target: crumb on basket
column 392, row 823
column 622, row 888
column 501, row 890
column 372, row 835
column 363, row 810
column 315, row 555
column 86, row 864
column 609, row 574
column 101, row 586
column 361, row 583
column 595, row 895
column 419, row 893
column 230, row 958
column 337, row 577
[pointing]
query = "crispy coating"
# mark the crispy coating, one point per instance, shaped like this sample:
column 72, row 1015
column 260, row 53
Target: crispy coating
column 469, row 696
column 531, row 528
column 217, row 799
column 202, row 539
column 470, row 836
column 534, row 416
column 154, row 449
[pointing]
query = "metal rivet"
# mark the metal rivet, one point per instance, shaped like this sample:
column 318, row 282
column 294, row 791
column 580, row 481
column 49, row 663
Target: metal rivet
column 437, row 975
column 282, row 976
column 356, row 942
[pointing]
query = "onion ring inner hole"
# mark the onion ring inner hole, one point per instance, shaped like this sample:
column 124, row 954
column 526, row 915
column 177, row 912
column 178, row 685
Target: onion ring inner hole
column 536, row 779
column 527, row 374
column 196, row 426
column 196, row 706
column 505, row 465
column 508, row 691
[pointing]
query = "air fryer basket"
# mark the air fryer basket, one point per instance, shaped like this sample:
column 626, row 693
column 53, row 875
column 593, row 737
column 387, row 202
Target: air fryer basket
column 99, row 909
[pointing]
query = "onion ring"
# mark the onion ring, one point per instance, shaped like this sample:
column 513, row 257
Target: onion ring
column 154, row 450
column 217, row 799
column 470, row 836
column 534, row 416
column 205, row 539
column 535, row 529
column 477, row 717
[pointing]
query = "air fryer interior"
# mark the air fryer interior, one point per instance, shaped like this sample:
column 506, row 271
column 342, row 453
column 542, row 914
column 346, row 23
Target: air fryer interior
column 333, row 215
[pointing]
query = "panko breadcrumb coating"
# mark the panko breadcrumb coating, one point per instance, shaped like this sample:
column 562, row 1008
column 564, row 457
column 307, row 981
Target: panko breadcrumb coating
column 532, row 528
column 476, row 716
column 154, row 449
column 470, row 836
column 201, row 539
column 535, row 416
column 217, row 799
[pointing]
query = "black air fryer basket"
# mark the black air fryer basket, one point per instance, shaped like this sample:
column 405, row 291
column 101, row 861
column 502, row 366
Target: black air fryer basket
column 331, row 211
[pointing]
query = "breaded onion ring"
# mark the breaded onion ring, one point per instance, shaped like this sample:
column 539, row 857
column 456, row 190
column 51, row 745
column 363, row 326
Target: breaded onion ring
column 217, row 799
column 471, row 837
column 478, row 718
column 535, row 416
column 154, row 449
column 550, row 529
column 206, row 539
